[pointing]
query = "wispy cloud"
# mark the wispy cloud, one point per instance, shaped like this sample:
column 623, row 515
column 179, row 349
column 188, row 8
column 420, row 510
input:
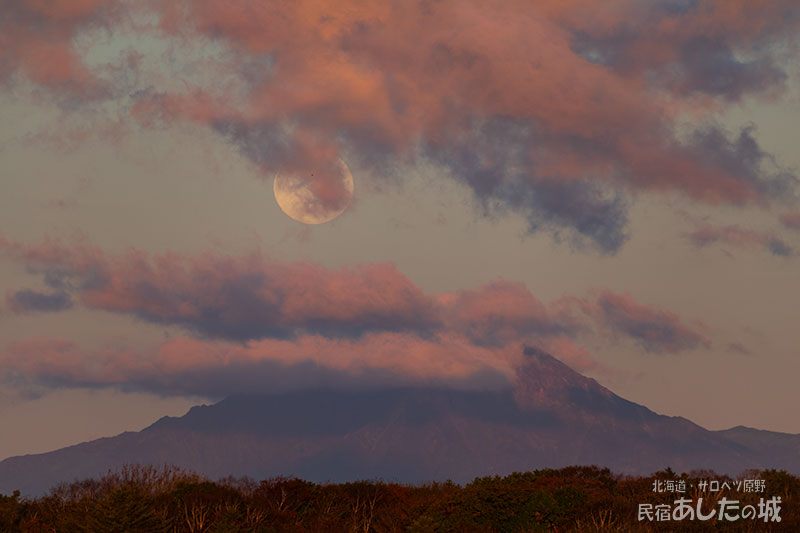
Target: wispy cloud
column 654, row 330
column 706, row 234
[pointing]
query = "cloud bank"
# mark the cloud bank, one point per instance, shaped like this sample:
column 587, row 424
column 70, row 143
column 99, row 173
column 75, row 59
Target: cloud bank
column 558, row 111
column 249, row 319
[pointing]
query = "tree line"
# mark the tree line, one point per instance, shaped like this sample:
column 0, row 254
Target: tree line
column 580, row 498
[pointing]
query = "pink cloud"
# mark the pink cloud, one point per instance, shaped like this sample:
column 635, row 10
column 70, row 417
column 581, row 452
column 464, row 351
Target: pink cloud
column 593, row 105
column 252, row 298
column 242, row 297
column 253, row 322
column 541, row 107
column 37, row 36
column 215, row 368
column 791, row 220
column 502, row 312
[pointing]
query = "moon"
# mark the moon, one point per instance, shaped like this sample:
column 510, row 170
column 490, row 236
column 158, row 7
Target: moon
column 318, row 198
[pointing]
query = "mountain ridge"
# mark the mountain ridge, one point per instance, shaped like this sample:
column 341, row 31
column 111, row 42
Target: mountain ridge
column 552, row 417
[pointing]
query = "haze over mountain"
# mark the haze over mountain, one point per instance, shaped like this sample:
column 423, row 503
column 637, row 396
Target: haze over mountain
column 553, row 417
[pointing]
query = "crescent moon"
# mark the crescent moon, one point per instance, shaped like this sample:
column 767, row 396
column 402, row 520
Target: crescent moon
column 296, row 198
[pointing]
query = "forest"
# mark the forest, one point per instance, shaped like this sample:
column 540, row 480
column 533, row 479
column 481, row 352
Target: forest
column 141, row 498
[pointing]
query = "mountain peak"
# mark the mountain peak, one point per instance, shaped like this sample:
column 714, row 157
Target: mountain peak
column 552, row 417
column 545, row 382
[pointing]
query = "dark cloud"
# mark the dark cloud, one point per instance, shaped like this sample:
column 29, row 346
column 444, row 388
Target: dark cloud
column 701, row 64
column 608, row 50
column 677, row 7
column 495, row 160
column 742, row 159
column 267, row 144
column 708, row 65
column 691, row 47
column 30, row 301
column 779, row 248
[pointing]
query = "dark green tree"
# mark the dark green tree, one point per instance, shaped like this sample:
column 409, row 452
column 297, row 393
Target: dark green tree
column 127, row 509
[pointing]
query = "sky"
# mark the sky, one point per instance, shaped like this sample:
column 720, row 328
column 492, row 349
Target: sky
column 615, row 183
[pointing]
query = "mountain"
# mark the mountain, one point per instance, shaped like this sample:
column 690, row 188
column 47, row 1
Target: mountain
column 552, row 417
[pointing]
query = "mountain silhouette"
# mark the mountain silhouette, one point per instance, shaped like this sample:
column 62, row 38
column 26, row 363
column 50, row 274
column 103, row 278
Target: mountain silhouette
column 552, row 417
